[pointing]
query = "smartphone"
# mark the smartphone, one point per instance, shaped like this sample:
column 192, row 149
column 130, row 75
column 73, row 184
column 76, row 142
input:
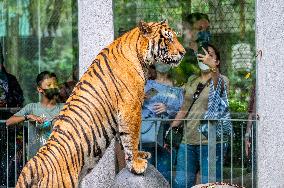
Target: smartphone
column 200, row 50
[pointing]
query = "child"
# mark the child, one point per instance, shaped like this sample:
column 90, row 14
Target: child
column 43, row 112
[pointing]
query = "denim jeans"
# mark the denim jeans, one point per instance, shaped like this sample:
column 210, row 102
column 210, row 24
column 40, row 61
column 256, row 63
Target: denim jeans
column 190, row 159
column 164, row 160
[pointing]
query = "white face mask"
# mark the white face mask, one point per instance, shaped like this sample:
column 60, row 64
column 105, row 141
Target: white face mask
column 202, row 66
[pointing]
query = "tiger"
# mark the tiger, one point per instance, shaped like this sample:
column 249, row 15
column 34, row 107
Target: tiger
column 105, row 104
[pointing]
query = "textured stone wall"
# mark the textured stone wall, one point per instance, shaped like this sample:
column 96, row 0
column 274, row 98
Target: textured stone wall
column 270, row 98
column 95, row 29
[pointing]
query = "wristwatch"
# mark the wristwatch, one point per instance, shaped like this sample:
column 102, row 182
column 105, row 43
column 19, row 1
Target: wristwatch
column 26, row 117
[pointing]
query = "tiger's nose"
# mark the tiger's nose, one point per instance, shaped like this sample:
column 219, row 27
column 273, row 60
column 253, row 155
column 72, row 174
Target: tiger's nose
column 182, row 53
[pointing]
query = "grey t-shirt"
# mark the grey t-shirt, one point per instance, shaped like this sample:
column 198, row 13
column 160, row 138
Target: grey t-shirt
column 39, row 133
column 39, row 110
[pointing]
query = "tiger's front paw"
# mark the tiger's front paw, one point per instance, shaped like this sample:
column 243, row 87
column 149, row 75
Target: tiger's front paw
column 138, row 166
column 144, row 155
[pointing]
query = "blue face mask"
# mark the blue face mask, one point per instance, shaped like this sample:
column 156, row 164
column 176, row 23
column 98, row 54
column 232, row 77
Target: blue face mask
column 203, row 37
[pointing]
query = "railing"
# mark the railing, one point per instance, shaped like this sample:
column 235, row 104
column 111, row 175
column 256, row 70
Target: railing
column 10, row 152
column 236, row 167
column 17, row 143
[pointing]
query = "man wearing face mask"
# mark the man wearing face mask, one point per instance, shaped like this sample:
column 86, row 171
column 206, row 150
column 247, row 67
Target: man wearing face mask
column 43, row 112
column 196, row 35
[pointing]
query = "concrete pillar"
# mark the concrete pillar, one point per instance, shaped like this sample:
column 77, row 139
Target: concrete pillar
column 95, row 29
column 270, row 89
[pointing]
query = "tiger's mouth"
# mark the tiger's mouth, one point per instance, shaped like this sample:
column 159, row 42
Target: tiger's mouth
column 174, row 61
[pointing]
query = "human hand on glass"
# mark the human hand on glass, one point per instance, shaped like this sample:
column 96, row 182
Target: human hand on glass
column 207, row 59
column 160, row 108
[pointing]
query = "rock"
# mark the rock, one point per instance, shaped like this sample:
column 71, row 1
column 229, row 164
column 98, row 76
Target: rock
column 151, row 178
column 104, row 173
column 216, row 185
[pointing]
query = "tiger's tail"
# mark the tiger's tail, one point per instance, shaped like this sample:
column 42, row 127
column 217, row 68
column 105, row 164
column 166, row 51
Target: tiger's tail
column 25, row 178
column 50, row 167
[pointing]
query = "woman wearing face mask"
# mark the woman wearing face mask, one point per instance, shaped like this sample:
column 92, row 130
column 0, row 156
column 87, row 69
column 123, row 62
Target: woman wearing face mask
column 162, row 100
column 43, row 112
column 193, row 151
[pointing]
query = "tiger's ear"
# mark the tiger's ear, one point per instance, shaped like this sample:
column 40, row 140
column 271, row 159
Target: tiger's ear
column 165, row 21
column 144, row 28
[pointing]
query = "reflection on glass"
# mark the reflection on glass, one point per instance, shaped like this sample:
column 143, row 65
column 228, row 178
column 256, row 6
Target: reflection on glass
column 36, row 36
column 233, row 33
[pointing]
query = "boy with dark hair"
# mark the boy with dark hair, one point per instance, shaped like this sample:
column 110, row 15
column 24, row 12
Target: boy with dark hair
column 43, row 112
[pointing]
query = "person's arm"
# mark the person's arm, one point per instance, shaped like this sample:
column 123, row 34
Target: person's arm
column 14, row 120
column 215, row 75
column 182, row 113
column 187, row 100
column 248, row 135
column 177, row 121
column 249, row 124
column 208, row 60
column 18, row 119
column 19, row 116
column 24, row 114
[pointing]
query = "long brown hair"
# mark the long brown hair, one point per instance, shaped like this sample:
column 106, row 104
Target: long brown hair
column 217, row 54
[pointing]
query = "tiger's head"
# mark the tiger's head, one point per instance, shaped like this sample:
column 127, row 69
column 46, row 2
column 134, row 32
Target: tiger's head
column 160, row 43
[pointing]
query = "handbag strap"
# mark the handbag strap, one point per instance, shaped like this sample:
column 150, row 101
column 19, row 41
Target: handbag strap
column 196, row 94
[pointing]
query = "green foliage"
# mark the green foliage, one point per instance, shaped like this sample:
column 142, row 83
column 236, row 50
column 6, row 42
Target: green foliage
column 60, row 56
column 50, row 42
column 128, row 13
column 237, row 106
column 186, row 68
column 27, row 79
